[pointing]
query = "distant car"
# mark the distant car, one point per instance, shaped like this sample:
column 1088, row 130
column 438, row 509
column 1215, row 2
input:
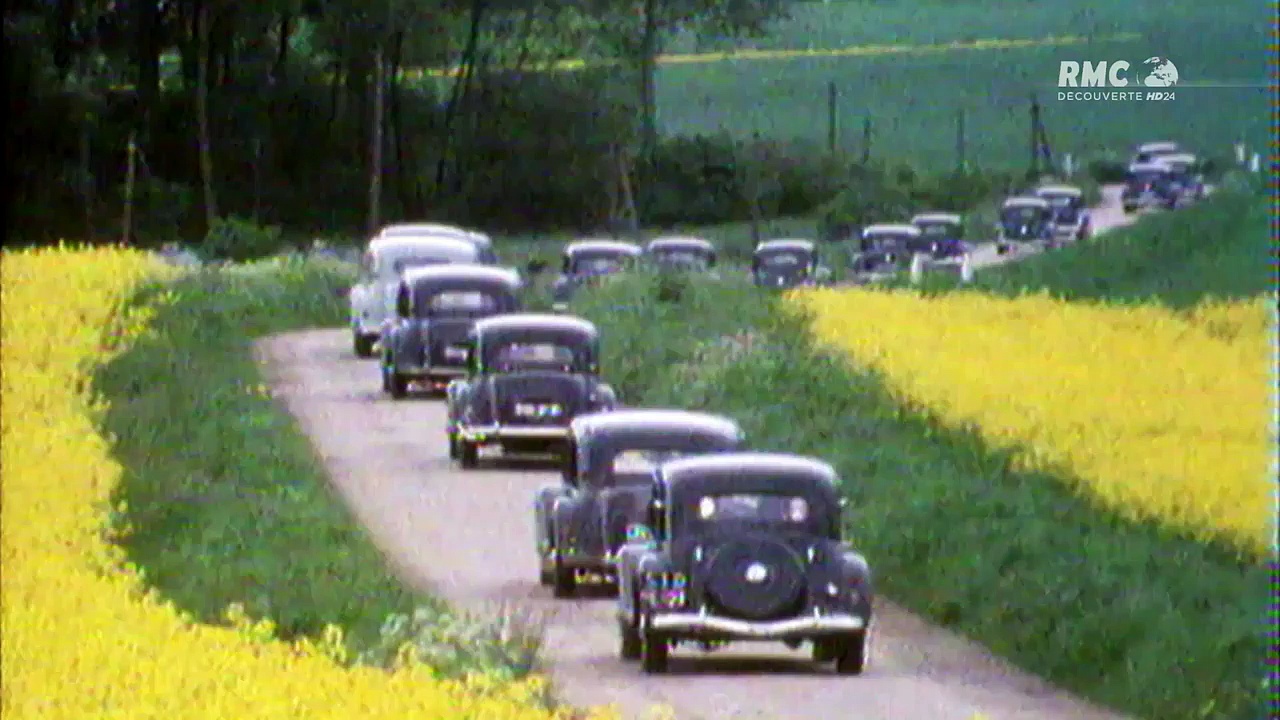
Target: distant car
column 681, row 253
column 1148, row 185
column 435, row 310
column 373, row 296
column 1024, row 221
column 607, row 484
column 529, row 376
column 944, row 233
column 787, row 263
column 1185, row 180
column 1071, row 219
column 744, row 547
column 482, row 240
column 1149, row 152
column 586, row 261
column 885, row 250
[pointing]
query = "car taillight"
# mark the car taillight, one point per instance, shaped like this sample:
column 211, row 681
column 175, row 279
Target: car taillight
column 665, row 590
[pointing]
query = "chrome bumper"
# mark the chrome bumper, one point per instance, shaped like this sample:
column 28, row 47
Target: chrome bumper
column 774, row 630
column 484, row 433
column 433, row 371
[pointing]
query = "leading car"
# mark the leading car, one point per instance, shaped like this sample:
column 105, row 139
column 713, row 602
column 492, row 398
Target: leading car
column 607, row 482
column 529, row 376
column 435, row 310
column 744, row 546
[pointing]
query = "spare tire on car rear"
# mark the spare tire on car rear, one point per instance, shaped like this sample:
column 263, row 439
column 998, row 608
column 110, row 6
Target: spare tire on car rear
column 755, row 578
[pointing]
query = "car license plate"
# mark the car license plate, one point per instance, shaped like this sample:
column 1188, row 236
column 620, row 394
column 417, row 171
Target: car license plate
column 537, row 410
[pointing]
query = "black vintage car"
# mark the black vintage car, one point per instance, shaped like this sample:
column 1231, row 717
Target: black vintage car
column 886, row 249
column 607, row 483
column 435, row 309
column 689, row 254
column 944, row 233
column 1024, row 221
column 744, row 546
column 529, row 375
column 787, row 263
column 1148, row 185
column 587, row 261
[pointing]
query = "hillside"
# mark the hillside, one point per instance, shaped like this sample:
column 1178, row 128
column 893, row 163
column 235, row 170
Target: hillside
column 1216, row 249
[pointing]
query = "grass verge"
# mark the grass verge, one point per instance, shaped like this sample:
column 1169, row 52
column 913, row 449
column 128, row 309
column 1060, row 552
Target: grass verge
column 1128, row 614
column 227, row 502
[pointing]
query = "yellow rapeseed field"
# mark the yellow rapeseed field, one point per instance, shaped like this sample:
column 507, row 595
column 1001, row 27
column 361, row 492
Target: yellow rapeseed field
column 1157, row 413
column 82, row 637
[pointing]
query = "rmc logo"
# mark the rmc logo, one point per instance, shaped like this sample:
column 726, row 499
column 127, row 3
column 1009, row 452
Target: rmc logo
column 1072, row 73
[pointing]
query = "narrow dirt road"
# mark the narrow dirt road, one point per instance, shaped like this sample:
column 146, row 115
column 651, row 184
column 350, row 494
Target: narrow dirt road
column 1108, row 214
column 468, row 537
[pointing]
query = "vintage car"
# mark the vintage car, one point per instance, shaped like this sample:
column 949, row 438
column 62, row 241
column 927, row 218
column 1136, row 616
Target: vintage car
column 1148, row 185
column 681, row 253
column 944, row 233
column 586, row 261
column 787, row 263
column 435, row 310
column 1185, row 179
column 885, row 250
column 482, row 240
column 1024, row 221
column 744, row 546
column 1070, row 216
column 373, row 297
column 1148, row 152
column 607, row 483
column 529, row 375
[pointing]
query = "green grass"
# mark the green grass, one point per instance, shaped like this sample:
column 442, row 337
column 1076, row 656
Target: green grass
column 1222, row 247
column 227, row 501
column 912, row 100
column 1129, row 614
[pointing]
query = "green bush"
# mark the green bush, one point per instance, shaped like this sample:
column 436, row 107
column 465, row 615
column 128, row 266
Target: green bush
column 238, row 239
column 225, row 498
column 1128, row 614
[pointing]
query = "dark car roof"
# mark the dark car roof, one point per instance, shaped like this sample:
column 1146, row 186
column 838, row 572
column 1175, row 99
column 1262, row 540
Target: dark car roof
column 618, row 246
column 747, row 464
column 787, row 244
column 535, row 321
column 648, row 421
column 432, row 275
column 680, row 242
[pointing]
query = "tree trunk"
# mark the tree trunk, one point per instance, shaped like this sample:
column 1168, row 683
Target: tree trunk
column 281, row 69
column 202, row 118
column 648, row 67
column 375, row 142
column 146, row 54
column 189, row 44
column 459, row 86
column 63, row 52
column 407, row 188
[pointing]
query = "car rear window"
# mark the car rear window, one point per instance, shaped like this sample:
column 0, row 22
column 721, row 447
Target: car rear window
column 463, row 301
column 534, row 355
column 757, row 507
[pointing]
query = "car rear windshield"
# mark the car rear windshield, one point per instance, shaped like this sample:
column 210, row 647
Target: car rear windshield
column 598, row 263
column 686, row 258
column 937, row 229
column 1022, row 214
column 542, row 356
column 1061, row 201
column 462, row 303
column 753, row 508
column 782, row 259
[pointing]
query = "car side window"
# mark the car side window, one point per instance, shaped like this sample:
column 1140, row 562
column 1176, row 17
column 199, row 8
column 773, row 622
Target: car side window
column 367, row 262
column 566, row 264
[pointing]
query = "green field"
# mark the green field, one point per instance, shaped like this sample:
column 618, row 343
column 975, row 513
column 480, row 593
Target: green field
column 913, row 98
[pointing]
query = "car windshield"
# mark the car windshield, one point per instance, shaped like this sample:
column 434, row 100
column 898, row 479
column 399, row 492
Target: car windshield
column 682, row 258
column 1061, row 201
column 885, row 240
column 782, row 259
column 1145, row 178
column 536, row 355
column 598, row 263
column 396, row 261
column 637, row 466
column 1022, row 214
column 753, row 507
column 462, row 303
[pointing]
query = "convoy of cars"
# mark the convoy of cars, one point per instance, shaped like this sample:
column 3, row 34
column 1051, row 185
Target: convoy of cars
column 703, row 541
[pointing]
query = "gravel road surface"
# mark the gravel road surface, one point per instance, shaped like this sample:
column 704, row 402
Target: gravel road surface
column 468, row 537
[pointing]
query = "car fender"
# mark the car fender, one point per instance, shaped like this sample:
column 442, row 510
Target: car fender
column 855, row 569
column 544, row 500
column 561, row 507
column 358, row 300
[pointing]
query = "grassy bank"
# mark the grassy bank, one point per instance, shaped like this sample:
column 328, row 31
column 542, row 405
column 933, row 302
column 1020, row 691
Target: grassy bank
column 1126, row 613
column 227, row 501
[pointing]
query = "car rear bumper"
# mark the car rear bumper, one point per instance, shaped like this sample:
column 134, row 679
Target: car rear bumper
column 432, row 371
column 487, row 433
column 808, row 626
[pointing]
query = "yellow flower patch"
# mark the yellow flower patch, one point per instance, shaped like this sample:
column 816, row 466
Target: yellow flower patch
column 82, row 637
column 1156, row 413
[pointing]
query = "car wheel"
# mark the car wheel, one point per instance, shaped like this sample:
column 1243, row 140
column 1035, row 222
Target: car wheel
column 362, row 344
column 544, row 576
column 654, row 652
column 397, row 385
column 564, row 583
column 1129, row 209
column 630, row 644
column 825, row 650
column 468, row 454
column 853, row 654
